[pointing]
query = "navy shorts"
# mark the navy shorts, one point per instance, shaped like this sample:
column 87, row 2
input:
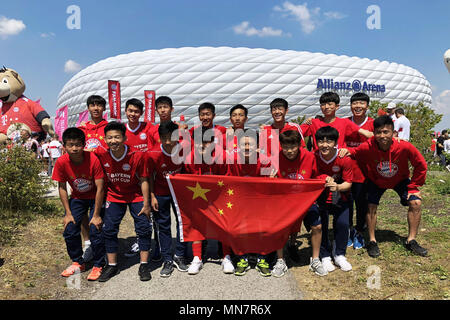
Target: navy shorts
column 312, row 217
column 374, row 192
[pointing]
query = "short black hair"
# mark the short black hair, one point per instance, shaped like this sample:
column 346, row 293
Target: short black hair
column 328, row 133
column 328, row 97
column 135, row 102
column 360, row 96
column 444, row 132
column 114, row 125
column 163, row 100
column 73, row 133
column 400, row 111
column 239, row 106
column 96, row 100
column 248, row 132
column 207, row 105
column 290, row 137
column 279, row 102
column 382, row 121
column 166, row 128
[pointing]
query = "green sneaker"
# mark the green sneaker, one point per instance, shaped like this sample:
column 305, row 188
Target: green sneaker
column 263, row 267
column 241, row 267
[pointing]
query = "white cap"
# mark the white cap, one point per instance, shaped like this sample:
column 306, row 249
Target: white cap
column 391, row 105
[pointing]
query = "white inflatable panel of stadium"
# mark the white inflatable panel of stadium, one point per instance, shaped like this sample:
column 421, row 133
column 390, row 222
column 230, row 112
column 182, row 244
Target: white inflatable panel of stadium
column 228, row 76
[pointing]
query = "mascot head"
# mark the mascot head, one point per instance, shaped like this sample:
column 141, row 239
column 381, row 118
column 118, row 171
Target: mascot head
column 12, row 86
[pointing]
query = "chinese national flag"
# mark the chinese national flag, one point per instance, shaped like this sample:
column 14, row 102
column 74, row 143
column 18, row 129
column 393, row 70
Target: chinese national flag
column 249, row 214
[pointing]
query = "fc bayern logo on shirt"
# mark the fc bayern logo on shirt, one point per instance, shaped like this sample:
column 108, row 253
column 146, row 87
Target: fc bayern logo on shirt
column 295, row 176
column 82, row 185
column 384, row 170
column 143, row 136
column 126, row 167
column 336, row 168
column 93, row 143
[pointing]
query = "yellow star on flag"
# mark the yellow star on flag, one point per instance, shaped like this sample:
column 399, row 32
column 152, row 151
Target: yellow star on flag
column 220, row 184
column 303, row 171
column 221, row 212
column 199, row 192
column 229, row 205
column 89, row 135
column 230, row 192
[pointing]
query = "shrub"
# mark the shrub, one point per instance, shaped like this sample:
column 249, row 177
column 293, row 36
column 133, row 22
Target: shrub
column 21, row 187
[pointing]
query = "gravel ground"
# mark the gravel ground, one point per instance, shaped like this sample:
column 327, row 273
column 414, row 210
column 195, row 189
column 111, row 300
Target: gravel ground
column 210, row 284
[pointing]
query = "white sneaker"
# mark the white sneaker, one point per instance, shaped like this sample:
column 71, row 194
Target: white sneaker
column 341, row 262
column 196, row 266
column 227, row 265
column 280, row 268
column 327, row 264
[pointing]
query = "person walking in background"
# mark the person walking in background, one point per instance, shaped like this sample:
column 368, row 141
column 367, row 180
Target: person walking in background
column 402, row 126
column 440, row 147
column 391, row 111
column 55, row 151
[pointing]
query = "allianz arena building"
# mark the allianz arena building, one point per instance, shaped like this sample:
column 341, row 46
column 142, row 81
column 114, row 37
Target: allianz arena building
column 227, row 76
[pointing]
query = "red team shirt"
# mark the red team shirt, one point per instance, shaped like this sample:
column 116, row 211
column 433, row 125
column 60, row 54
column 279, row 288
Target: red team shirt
column 138, row 139
column 81, row 178
column 387, row 169
column 355, row 140
column 95, row 135
column 287, row 126
column 340, row 169
column 122, row 175
column 245, row 170
column 22, row 110
column 302, row 167
column 206, row 169
column 345, row 128
column 160, row 162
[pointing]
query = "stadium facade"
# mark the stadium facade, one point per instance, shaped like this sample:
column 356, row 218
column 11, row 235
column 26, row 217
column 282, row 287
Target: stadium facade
column 253, row 77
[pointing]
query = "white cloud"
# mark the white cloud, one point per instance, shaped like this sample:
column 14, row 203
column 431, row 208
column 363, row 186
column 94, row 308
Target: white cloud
column 10, row 27
column 309, row 19
column 71, row 66
column 245, row 28
column 442, row 103
column 47, row 35
column 301, row 13
column 334, row 15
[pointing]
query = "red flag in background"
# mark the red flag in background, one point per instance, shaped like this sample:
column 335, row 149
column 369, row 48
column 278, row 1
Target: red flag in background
column 114, row 99
column 251, row 215
column 149, row 106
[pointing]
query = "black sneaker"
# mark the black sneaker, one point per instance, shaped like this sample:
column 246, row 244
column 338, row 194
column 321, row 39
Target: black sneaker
column 293, row 253
column 167, row 269
column 372, row 249
column 180, row 263
column 144, row 272
column 415, row 248
column 108, row 272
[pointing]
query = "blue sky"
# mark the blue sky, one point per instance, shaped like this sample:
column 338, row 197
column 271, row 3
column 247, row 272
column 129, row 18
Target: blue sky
column 35, row 40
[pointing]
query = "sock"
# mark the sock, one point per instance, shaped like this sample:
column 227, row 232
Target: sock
column 144, row 262
column 197, row 250
column 87, row 243
column 112, row 264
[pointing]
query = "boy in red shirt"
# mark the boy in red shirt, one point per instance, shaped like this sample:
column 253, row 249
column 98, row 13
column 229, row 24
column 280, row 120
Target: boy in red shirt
column 94, row 129
column 279, row 108
column 127, row 186
column 84, row 173
column 238, row 118
column 329, row 104
column 164, row 109
column 204, row 161
column 137, row 139
column 161, row 164
column 387, row 162
column 137, row 132
column 298, row 163
column 359, row 104
column 206, row 114
column 247, row 164
column 335, row 199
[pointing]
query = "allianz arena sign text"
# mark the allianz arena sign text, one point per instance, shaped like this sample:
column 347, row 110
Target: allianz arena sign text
column 355, row 85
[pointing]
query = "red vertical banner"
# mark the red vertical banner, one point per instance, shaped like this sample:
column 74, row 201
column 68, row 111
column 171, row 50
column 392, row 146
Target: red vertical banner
column 149, row 106
column 61, row 120
column 114, row 99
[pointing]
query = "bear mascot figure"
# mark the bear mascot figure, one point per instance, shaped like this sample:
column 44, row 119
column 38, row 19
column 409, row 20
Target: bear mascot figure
column 16, row 108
